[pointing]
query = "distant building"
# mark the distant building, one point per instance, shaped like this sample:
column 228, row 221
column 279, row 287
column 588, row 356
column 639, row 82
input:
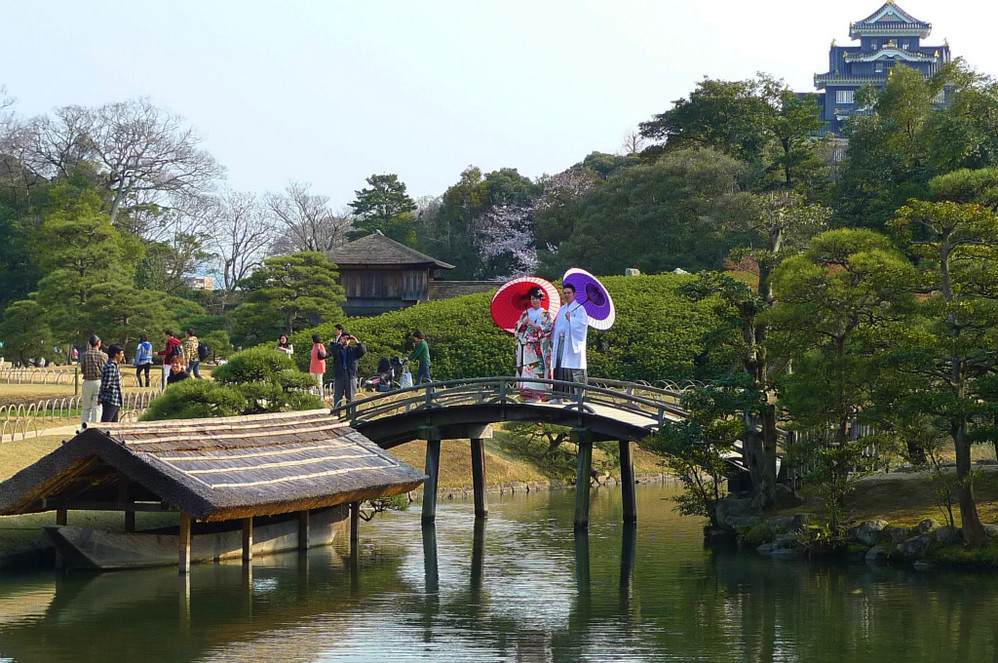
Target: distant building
column 200, row 282
column 379, row 274
column 887, row 38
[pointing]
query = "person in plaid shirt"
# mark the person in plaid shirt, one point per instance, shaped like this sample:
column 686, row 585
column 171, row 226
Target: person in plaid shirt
column 91, row 364
column 191, row 353
column 110, row 397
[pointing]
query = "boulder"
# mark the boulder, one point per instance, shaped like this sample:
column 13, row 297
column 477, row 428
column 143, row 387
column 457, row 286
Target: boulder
column 731, row 507
column 926, row 526
column 718, row 537
column 736, row 523
column 786, row 554
column 868, row 532
column 766, row 548
column 947, row 535
column 897, row 534
column 922, row 565
column 781, row 525
column 877, row 555
column 785, row 540
column 915, row 547
column 991, row 530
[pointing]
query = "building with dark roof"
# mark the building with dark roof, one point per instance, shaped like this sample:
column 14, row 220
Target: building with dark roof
column 378, row 274
column 887, row 38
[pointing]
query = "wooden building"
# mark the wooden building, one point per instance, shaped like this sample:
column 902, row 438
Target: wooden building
column 294, row 473
column 378, row 274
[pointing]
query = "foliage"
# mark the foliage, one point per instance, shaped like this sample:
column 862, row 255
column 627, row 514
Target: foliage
column 218, row 342
column 384, row 206
column 658, row 335
column 24, row 332
column 378, row 505
column 252, row 382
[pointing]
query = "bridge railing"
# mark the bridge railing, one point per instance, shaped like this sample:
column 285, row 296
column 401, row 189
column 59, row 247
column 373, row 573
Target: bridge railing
column 647, row 400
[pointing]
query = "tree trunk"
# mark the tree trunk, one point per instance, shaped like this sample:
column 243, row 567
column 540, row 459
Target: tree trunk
column 970, row 520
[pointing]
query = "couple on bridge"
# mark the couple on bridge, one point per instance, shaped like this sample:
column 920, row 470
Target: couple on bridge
column 551, row 349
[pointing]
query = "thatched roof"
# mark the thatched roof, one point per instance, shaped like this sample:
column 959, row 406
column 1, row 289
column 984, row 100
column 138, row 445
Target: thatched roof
column 376, row 250
column 212, row 469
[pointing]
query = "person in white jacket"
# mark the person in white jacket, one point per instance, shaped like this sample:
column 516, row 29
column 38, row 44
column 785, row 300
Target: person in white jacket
column 569, row 346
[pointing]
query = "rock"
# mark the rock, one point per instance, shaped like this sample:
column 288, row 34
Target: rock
column 948, row 535
column 518, row 487
column 915, row 547
column 897, row 534
column 991, row 530
column 786, row 554
column 766, row 548
column 737, row 523
column 926, row 526
column 785, row 540
column 869, row 531
column 717, row 537
column 921, row 565
column 730, row 507
column 877, row 555
column 781, row 525
column 800, row 520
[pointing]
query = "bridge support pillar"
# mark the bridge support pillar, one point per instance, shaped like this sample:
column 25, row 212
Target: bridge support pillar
column 478, row 477
column 432, row 436
column 583, row 437
column 627, row 482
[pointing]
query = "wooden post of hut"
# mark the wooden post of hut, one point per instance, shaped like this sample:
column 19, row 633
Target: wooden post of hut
column 184, row 550
column 583, row 438
column 303, row 534
column 432, row 436
column 354, row 525
column 126, row 503
column 247, row 539
column 627, row 482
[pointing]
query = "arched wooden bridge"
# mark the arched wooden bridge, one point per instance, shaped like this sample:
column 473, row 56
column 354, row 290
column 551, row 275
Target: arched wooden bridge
column 601, row 410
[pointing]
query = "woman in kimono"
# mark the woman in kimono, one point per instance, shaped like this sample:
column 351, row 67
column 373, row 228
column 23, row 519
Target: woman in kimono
column 533, row 351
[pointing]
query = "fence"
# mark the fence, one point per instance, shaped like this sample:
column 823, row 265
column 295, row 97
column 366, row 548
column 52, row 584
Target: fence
column 61, row 376
column 23, row 418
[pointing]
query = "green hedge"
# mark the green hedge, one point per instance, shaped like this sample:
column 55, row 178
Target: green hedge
column 658, row 335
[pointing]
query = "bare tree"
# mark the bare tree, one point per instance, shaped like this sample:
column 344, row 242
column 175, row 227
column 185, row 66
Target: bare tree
column 14, row 171
column 240, row 234
column 305, row 220
column 634, row 142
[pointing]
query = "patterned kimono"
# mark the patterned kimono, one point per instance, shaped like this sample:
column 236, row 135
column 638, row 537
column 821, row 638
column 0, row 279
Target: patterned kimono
column 533, row 352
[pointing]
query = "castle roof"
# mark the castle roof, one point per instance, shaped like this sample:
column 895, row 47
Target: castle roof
column 889, row 20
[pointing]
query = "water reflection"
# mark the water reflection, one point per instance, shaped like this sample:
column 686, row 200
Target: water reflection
column 521, row 586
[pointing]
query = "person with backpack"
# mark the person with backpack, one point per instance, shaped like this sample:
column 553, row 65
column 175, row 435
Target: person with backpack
column 173, row 349
column 143, row 359
column 317, row 365
column 192, row 354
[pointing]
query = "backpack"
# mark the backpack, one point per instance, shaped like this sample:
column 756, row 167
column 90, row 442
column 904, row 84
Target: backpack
column 177, row 351
column 203, row 351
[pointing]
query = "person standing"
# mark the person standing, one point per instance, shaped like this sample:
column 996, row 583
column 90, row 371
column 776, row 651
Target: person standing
column 317, row 365
column 110, row 396
column 173, row 349
column 191, row 355
column 345, row 358
column 91, row 365
column 533, row 347
column 421, row 353
column 143, row 359
column 569, row 349
column 285, row 346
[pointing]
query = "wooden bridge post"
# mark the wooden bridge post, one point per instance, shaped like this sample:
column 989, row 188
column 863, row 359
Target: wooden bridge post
column 583, row 437
column 184, row 550
column 627, row 482
column 478, row 472
column 432, row 436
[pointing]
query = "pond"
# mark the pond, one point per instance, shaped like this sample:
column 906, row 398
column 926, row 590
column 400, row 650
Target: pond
column 519, row 587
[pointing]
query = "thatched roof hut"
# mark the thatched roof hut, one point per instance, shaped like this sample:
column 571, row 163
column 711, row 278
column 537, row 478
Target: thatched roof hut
column 211, row 469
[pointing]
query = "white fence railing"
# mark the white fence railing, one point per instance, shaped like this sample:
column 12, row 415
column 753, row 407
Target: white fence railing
column 24, row 419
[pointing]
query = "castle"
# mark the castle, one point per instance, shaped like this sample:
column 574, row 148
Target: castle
column 888, row 37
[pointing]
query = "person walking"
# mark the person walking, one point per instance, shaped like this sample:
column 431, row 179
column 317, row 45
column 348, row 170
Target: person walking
column 91, row 365
column 110, row 396
column 191, row 355
column 143, row 359
column 345, row 358
column 569, row 349
column 421, row 353
column 173, row 349
column 317, row 365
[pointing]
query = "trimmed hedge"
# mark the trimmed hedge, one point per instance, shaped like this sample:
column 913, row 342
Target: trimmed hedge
column 659, row 334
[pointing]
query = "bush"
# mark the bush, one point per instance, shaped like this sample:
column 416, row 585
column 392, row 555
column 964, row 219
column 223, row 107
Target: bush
column 659, row 334
column 195, row 399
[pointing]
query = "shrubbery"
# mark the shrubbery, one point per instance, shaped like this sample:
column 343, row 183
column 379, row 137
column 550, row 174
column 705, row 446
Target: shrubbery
column 659, row 334
column 254, row 381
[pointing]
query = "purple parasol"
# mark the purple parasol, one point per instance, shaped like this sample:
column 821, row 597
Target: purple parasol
column 593, row 296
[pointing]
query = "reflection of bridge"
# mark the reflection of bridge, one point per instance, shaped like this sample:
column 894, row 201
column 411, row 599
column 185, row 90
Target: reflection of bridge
column 463, row 409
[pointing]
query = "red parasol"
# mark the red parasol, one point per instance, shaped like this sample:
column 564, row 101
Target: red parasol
column 513, row 298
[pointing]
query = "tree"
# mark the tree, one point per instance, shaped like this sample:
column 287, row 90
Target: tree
column 24, row 331
column 240, row 234
column 308, row 223
column 385, row 206
column 299, row 289
column 957, row 248
column 834, row 303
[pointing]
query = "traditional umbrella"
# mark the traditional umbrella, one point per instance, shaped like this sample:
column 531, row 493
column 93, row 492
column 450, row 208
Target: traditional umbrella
column 593, row 296
column 513, row 298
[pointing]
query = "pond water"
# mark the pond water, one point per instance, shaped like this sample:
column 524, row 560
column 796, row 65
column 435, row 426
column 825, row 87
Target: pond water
column 521, row 587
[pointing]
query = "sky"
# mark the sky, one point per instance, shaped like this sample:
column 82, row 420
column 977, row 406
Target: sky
column 330, row 92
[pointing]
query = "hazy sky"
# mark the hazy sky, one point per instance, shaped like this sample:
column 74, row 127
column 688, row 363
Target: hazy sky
column 330, row 92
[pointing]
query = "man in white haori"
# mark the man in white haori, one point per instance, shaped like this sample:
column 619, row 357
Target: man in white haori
column 569, row 348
